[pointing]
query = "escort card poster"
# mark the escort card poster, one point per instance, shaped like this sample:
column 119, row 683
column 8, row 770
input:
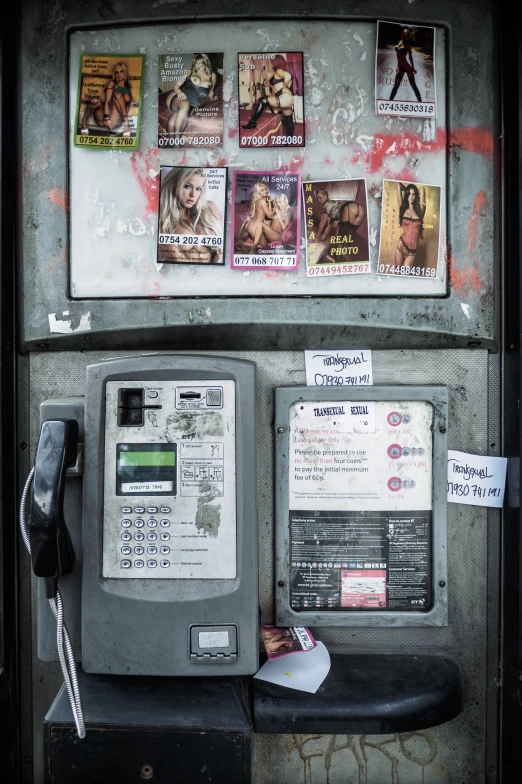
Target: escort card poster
column 360, row 500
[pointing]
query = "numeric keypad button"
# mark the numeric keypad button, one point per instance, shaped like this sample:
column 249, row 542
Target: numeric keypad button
column 152, row 536
column 139, row 550
column 152, row 564
column 139, row 536
column 139, row 564
column 152, row 523
column 125, row 550
column 125, row 564
column 165, row 523
column 139, row 523
column 152, row 509
column 165, row 536
column 139, row 509
column 152, row 550
column 126, row 536
column 126, row 523
column 164, row 550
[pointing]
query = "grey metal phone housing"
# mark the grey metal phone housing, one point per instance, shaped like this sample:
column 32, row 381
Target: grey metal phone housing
column 148, row 626
column 438, row 614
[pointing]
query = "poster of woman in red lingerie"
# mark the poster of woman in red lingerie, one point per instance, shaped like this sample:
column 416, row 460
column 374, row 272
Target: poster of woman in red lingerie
column 410, row 229
column 271, row 99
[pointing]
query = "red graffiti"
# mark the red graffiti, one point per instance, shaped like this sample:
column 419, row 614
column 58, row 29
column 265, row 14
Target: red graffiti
column 480, row 205
column 58, row 197
column 463, row 277
column 232, row 133
column 141, row 165
column 474, row 140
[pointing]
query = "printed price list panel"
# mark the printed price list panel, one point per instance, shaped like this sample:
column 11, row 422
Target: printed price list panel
column 361, row 511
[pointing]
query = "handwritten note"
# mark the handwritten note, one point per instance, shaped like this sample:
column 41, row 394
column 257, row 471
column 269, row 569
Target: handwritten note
column 475, row 479
column 343, row 368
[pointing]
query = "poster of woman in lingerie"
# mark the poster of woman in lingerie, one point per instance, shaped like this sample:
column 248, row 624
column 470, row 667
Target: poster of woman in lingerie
column 336, row 220
column 271, row 99
column 190, row 100
column 410, row 229
column 405, row 70
column 266, row 220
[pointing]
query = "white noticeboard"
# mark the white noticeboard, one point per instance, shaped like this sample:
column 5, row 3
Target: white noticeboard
column 360, row 505
column 114, row 193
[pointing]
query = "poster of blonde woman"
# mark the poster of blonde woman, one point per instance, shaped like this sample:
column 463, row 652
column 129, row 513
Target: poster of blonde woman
column 410, row 229
column 266, row 220
column 191, row 216
column 190, row 100
column 108, row 107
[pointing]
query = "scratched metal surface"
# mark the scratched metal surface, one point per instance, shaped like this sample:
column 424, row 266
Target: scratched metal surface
column 114, row 194
column 455, row 752
column 50, row 316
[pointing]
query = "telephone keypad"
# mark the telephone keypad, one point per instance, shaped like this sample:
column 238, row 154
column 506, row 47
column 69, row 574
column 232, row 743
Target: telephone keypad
column 152, row 536
column 164, row 523
column 126, row 523
column 139, row 550
column 152, row 509
column 164, row 536
column 152, row 564
column 126, row 510
column 152, row 550
column 139, row 563
column 139, row 523
column 125, row 550
column 125, row 564
column 164, row 550
column 139, row 509
column 126, row 536
column 152, row 523
column 139, row 536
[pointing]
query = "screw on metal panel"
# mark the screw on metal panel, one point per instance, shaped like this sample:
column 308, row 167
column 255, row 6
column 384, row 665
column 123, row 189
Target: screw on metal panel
column 442, row 583
column 442, row 429
column 281, row 583
column 42, row 345
column 147, row 772
column 280, row 430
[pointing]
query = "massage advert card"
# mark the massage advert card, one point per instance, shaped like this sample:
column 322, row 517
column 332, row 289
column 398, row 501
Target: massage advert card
column 410, row 229
column 336, row 221
column 266, row 220
column 109, row 101
column 190, row 101
column 405, row 70
column 271, row 99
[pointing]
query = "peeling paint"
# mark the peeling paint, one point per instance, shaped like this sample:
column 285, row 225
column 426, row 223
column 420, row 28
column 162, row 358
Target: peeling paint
column 64, row 326
column 465, row 309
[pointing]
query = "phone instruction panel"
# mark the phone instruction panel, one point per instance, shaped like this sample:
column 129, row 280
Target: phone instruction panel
column 170, row 480
column 360, row 500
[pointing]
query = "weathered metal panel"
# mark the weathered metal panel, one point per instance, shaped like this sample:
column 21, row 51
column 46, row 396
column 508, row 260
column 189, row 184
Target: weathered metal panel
column 49, row 316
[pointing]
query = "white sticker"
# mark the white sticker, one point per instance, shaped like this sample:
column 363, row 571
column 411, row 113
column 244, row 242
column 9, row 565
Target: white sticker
column 342, row 368
column 477, row 480
column 147, row 487
column 213, row 640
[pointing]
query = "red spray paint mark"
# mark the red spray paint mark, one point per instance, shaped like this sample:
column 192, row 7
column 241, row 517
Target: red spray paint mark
column 475, row 140
column 232, row 133
column 404, row 175
column 58, row 197
column 480, row 205
column 327, row 160
column 463, row 277
column 472, row 140
column 222, row 162
column 141, row 165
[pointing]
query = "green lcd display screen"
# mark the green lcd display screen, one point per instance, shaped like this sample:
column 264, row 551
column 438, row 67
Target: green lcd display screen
column 129, row 459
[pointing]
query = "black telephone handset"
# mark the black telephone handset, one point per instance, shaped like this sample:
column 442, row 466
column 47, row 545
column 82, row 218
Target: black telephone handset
column 52, row 552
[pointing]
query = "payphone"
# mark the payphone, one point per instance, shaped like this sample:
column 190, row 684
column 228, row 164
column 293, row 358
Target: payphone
column 168, row 550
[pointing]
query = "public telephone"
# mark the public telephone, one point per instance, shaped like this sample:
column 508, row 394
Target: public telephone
column 167, row 540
